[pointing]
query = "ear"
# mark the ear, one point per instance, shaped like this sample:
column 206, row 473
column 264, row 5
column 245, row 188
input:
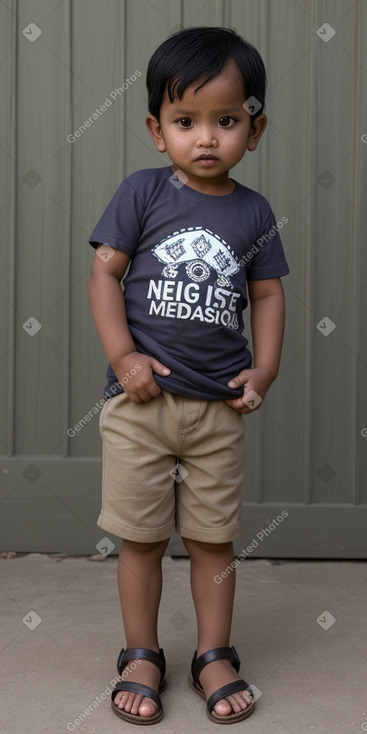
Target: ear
column 257, row 128
column 156, row 133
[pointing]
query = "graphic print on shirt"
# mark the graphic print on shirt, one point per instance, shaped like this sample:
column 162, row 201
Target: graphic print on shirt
column 201, row 253
column 201, row 250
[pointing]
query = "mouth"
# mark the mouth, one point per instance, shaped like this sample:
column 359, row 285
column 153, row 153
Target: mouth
column 207, row 161
column 207, row 157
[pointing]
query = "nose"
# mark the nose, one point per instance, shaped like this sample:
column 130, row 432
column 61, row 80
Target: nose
column 206, row 137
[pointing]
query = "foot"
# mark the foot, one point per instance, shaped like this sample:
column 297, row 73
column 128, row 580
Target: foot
column 134, row 703
column 217, row 674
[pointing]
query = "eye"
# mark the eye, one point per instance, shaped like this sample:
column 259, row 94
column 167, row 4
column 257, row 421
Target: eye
column 226, row 121
column 185, row 122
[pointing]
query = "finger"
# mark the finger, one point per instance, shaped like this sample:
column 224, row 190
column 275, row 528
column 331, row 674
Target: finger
column 133, row 397
column 154, row 389
column 238, row 406
column 159, row 368
column 239, row 380
column 236, row 402
column 145, row 395
column 244, row 410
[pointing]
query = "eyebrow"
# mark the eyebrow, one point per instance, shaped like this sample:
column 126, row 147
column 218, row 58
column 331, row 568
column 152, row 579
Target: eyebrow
column 224, row 111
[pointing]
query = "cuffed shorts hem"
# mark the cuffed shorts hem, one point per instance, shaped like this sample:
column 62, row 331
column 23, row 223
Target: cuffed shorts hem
column 139, row 535
column 211, row 535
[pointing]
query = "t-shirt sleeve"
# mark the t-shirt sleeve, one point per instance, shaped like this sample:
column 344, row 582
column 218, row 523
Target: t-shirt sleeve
column 268, row 259
column 120, row 223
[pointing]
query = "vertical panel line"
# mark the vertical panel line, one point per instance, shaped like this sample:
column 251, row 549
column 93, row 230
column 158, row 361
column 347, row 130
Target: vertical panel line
column 69, row 185
column 13, row 206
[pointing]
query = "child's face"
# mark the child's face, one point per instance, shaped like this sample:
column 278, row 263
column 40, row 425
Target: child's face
column 208, row 132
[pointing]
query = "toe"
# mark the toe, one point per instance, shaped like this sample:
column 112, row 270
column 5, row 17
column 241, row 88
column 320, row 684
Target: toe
column 135, row 704
column 147, row 707
column 233, row 704
column 248, row 697
column 131, row 703
column 240, row 701
column 223, row 707
column 120, row 700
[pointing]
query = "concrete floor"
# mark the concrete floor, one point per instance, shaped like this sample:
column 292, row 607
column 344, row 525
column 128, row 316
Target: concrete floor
column 311, row 676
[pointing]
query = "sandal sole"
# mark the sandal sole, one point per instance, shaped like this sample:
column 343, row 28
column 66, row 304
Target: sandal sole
column 135, row 718
column 229, row 718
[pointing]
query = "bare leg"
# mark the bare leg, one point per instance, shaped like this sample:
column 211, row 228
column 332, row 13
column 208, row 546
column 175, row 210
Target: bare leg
column 214, row 608
column 140, row 588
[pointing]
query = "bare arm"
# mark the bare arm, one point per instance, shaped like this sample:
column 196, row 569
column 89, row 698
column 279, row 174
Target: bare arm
column 267, row 326
column 108, row 309
column 267, row 323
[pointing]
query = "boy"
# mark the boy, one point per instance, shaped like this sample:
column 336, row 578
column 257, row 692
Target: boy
column 180, row 375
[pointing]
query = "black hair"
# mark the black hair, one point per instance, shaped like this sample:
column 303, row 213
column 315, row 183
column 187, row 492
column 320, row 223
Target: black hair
column 200, row 53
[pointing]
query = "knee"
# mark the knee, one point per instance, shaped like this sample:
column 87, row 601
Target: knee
column 157, row 548
column 197, row 546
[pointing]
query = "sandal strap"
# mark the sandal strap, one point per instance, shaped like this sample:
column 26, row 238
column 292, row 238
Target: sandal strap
column 142, row 653
column 136, row 688
column 224, row 691
column 218, row 653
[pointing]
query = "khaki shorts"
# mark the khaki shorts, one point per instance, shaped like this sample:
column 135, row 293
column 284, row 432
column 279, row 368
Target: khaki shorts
column 172, row 464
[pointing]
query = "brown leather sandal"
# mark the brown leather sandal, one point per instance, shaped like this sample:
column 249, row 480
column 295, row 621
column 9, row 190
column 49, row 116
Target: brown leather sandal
column 142, row 653
column 220, row 653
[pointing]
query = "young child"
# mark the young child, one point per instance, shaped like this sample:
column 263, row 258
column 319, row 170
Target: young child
column 180, row 374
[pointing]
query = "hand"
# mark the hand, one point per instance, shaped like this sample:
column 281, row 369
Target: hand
column 134, row 371
column 256, row 380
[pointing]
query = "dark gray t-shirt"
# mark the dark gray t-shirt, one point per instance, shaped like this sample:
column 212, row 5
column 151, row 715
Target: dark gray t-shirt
column 191, row 255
